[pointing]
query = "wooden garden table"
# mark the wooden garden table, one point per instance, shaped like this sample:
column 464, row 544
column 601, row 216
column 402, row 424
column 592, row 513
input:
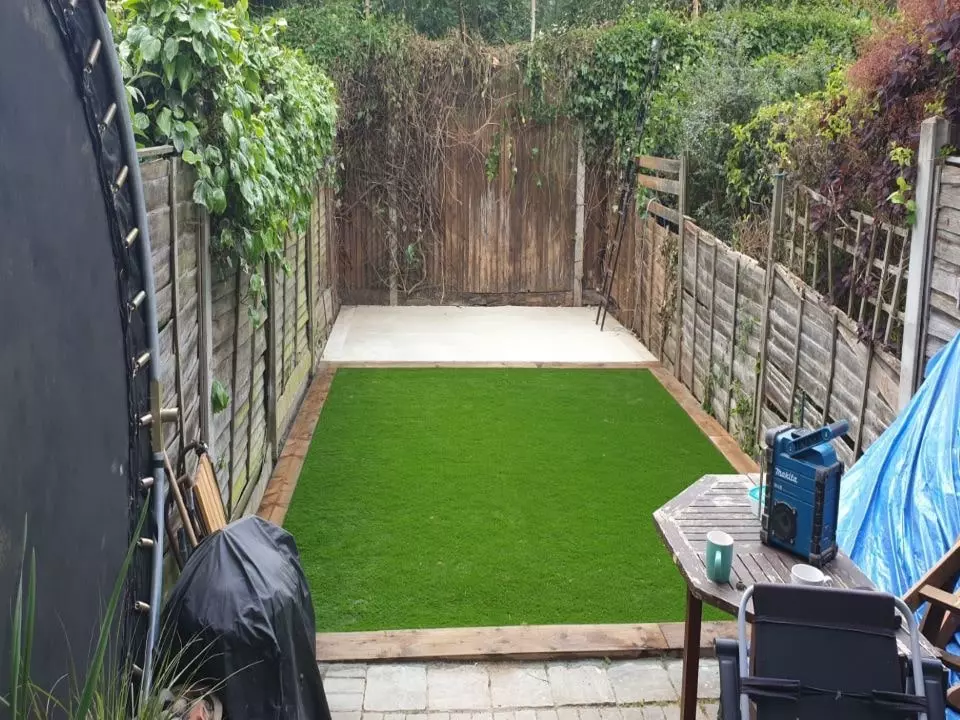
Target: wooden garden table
column 720, row 502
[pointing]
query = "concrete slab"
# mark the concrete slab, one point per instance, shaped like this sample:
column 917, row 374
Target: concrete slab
column 580, row 690
column 480, row 335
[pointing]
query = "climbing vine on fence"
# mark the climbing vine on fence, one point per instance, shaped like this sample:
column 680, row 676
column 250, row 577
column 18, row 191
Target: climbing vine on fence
column 254, row 118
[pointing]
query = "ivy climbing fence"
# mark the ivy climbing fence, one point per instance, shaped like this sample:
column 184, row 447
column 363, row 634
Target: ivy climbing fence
column 212, row 345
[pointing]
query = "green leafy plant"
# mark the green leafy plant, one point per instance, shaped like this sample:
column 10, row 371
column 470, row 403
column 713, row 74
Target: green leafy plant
column 219, row 397
column 25, row 699
column 254, row 119
column 111, row 689
column 903, row 195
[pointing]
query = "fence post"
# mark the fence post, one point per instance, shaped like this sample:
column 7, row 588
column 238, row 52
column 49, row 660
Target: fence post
column 271, row 374
column 205, row 282
column 393, row 242
column 311, row 280
column 681, row 214
column 580, row 227
column 175, row 300
column 934, row 133
column 776, row 207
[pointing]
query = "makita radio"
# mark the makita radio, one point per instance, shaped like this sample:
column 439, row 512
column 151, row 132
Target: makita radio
column 802, row 491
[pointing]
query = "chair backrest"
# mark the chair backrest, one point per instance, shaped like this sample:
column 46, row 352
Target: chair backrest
column 842, row 640
column 207, row 490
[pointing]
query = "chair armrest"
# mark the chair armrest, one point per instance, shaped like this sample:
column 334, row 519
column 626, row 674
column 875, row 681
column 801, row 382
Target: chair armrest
column 935, row 688
column 943, row 574
column 728, row 659
column 939, row 597
column 952, row 662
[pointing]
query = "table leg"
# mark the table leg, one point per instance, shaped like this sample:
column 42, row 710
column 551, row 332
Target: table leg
column 691, row 658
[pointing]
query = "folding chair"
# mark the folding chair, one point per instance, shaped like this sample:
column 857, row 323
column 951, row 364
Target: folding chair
column 941, row 620
column 213, row 515
column 197, row 501
column 825, row 654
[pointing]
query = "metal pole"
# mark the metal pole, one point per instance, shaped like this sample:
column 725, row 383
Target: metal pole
column 158, row 491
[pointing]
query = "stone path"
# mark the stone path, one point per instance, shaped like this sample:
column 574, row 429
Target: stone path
column 578, row 690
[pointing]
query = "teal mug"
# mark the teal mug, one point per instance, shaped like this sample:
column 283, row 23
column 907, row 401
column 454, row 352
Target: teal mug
column 719, row 556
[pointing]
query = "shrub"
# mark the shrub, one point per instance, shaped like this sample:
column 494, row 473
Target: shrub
column 255, row 119
column 908, row 71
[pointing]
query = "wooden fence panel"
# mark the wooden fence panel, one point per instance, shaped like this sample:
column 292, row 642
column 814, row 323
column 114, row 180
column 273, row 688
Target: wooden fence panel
column 174, row 226
column 816, row 366
column 506, row 225
column 825, row 250
column 240, row 436
column 943, row 310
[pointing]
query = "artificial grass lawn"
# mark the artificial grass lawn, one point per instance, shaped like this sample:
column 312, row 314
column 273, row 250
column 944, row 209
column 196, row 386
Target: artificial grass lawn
column 470, row 497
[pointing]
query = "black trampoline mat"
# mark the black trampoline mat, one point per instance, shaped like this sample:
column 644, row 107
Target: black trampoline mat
column 64, row 408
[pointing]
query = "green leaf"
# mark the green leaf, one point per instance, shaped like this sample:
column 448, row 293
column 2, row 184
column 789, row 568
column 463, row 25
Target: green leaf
column 165, row 122
column 170, row 49
column 229, row 126
column 190, row 157
column 219, row 398
column 184, row 73
column 218, row 200
column 150, row 48
column 201, row 22
column 212, row 155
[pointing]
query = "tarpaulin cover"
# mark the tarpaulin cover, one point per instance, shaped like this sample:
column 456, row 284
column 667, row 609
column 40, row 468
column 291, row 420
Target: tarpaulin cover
column 900, row 503
column 244, row 601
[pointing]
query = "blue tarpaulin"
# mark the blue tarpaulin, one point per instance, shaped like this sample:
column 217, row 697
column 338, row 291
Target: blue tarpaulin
column 900, row 503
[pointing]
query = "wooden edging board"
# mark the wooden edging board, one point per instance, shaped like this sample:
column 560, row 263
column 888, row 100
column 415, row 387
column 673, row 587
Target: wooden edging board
column 521, row 642
column 708, row 424
column 283, row 480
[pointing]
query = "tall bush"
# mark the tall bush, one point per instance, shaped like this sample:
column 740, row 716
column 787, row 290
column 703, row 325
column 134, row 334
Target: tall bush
column 255, row 119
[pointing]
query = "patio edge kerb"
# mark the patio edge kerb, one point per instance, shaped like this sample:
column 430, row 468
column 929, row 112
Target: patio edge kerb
column 520, row 642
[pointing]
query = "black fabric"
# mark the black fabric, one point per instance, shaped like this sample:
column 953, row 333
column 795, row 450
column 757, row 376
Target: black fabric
column 826, row 641
column 71, row 446
column 243, row 600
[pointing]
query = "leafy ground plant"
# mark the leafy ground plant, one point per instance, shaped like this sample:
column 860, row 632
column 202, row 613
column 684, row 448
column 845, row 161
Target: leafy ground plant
column 255, row 119
column 111, row 689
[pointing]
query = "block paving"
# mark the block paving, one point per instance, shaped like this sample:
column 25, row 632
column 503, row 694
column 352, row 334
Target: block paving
column 575, row 690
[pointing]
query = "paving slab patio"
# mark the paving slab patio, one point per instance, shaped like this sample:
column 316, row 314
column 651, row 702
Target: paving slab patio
column 470, row 335
column 577, row 690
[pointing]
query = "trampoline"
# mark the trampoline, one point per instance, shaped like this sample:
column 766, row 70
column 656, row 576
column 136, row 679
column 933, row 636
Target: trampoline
column 78, row 343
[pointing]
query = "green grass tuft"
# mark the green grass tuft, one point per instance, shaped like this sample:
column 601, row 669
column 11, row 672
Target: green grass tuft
column 458, row 497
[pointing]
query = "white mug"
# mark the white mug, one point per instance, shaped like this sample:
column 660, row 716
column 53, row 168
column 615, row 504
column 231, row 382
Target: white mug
column 801, row 574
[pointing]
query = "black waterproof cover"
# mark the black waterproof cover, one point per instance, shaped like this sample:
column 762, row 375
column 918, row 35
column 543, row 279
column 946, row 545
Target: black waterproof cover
column 244, row 601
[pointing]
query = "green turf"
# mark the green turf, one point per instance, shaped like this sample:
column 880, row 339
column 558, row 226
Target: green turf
column 456, row 497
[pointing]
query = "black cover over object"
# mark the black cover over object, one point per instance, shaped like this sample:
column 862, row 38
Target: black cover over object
column 243, row 598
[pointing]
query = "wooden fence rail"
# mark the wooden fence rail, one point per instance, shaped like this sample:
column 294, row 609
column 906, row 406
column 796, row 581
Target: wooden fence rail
column 857, row 263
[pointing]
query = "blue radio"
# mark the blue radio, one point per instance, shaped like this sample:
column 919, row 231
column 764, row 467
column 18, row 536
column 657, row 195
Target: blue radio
column 802, row 491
